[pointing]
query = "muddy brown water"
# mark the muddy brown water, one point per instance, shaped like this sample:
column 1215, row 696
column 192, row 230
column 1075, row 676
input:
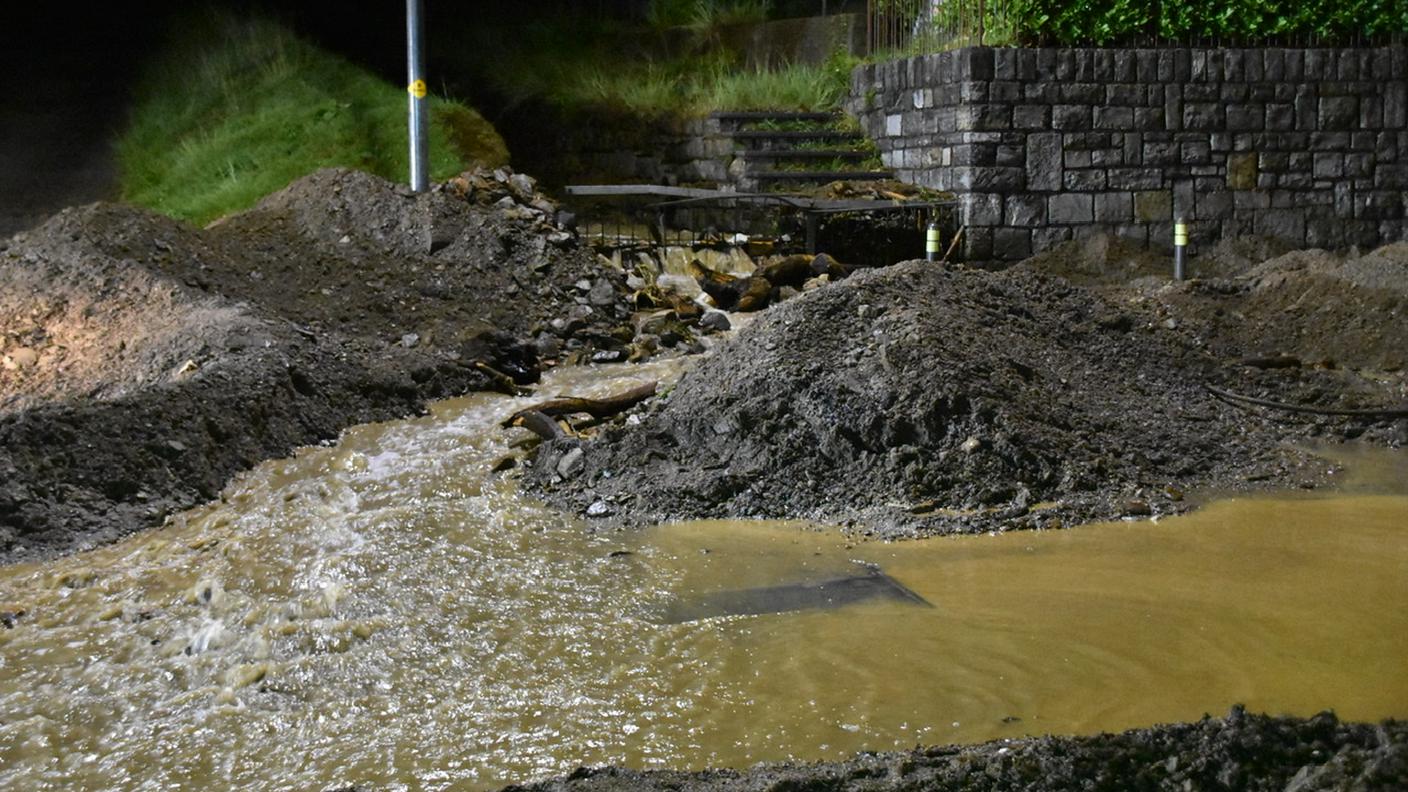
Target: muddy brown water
column 387, row 612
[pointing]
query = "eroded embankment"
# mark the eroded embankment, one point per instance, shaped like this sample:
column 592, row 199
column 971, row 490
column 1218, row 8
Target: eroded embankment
column 145, row 361
column 1241, row 751
column 915, row 400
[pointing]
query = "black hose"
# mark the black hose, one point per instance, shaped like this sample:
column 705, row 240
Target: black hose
column 1237, row 399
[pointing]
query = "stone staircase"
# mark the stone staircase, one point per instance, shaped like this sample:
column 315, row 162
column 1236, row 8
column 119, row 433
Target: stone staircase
column 788, row 151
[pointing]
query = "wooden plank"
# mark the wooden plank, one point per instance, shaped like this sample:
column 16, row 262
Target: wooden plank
column 644, row 189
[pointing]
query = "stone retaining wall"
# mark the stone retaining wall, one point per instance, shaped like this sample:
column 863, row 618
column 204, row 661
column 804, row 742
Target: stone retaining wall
column 1043, row 145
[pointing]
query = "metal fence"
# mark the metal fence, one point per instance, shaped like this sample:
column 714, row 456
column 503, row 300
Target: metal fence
column 860, row 233
column 933, row 25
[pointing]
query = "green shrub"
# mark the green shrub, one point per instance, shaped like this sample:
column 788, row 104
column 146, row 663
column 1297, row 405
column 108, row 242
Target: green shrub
column 237, row 108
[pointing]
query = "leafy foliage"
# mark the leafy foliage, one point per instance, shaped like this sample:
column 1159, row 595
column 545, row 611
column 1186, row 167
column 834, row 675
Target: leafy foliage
column 955, row 22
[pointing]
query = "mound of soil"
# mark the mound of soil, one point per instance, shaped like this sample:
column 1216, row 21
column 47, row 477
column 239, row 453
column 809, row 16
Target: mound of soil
column 916, row 400
column 1250, row 298
column 1241, row 751
column 145, row 362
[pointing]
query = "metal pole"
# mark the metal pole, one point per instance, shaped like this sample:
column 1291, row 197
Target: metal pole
column 415, row 86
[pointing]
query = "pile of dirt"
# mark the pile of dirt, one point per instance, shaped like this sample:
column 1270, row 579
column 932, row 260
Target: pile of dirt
column 1241, row 751
column 914, row 400
column 145, row 362
column 1252, row 298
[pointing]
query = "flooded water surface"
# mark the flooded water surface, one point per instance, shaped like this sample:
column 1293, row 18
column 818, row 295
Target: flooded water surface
column 388, row 612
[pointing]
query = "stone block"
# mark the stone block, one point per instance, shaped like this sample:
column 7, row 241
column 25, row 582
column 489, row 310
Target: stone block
column 1274, row 162
column 976, row 63
column 1153, row 205
column 1124, row 95
column 1307, row 107
column 1338, row 112
column 1204, row 116
column 1283, row 224
column 1081, row 93
column 1025, row 210
column 1011, row 244
column 1114, row 118
column 988, row 178
column 1032, row 116
column 1070, row 208
column 1085, row 179
column 1050, row 237
column 1160, row 154
column 893, row 125
column 1273, row 62
column 1242, row 171
column 1371, row 112
column 1148, row 119
column 1011, row 155
column 1147, row 65
column 1070, row 117
column 1195, row 153
column 1125, row 68
column 1077, row 158
column 977, row 244
column 1245, row 116
column 1212, row 205
column 1107, row 157
column 1134, row 178
column 974, row 154
column 1044, row 161
column 1280, row 116
column 981, row 209
column 1114, row 207
column 1008, row 91
column 1328, row 165
column 1358, row 166
column 1229, row 93
column 1395, row 103
column 1004, row 63
column 984, row 116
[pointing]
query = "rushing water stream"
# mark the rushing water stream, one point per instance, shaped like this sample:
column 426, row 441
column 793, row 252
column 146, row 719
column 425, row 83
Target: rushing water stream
column 388, row 612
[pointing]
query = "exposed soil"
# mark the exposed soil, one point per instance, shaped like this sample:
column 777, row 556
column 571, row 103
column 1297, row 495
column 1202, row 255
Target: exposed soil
column 915, row 400
column 1239, row 752
column 145, row 361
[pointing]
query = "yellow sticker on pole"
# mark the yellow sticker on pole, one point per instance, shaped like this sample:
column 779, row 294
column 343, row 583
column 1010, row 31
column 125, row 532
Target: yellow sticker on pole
column 417, row 89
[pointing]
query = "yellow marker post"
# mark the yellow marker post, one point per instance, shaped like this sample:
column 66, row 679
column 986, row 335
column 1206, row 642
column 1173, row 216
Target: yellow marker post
column 1180, row 245
column 931, row 241
column 417, row 89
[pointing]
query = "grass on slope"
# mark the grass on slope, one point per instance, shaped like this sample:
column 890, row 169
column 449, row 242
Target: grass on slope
column 238, row 108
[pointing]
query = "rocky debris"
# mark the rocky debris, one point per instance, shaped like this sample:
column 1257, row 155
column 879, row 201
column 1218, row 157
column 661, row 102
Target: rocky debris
column 914, row 400
column 1241, row 751
column 146, row 361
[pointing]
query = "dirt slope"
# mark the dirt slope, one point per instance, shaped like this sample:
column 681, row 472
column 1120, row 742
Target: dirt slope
column 145, row 362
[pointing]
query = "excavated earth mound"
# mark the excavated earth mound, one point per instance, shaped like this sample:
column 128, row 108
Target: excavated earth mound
column 145, row 361
column 915, row 400
column 1255, row 753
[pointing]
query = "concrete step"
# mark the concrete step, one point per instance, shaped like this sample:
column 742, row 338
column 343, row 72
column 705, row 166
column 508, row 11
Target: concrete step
column 772, row 115
column 805, row 154
column 818, row 176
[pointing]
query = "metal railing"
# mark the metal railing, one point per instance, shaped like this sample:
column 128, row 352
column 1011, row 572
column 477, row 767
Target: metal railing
column 858, row 232
column 918, row 26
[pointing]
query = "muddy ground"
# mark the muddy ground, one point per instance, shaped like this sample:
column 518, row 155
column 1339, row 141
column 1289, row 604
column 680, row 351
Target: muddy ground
column 917, row 399
column 1239, row 752
column 145, row 361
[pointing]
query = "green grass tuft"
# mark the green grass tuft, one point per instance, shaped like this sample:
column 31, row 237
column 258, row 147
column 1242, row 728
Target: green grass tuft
column 239, row 108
